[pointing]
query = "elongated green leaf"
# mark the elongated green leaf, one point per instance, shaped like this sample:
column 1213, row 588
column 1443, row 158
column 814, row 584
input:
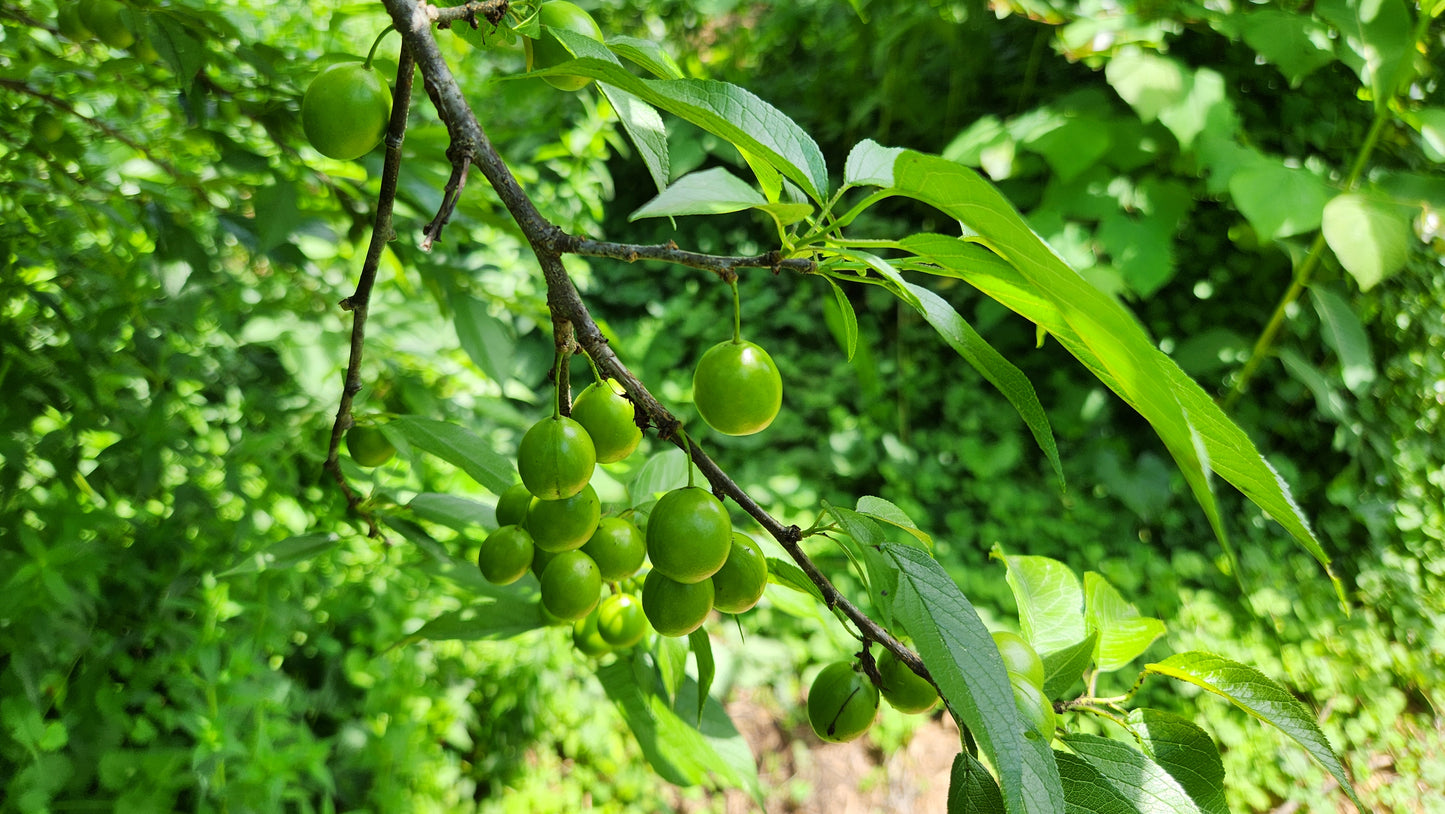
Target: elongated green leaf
column 850, row 318
column 647, row 55
column 286, row 553
column 785, row 573
column 1123, row 632
column 754, row 126
column 501, row 618
column 887, row 513
column 1343, row 332
column 1000, row 372
column 1049, row 598
column 460, row 447
column 452, row 511
column 1260, row 696
column 706, row 667
column 681, row 754
column 870, row 164
column 486, row 339
column 1186, row 752
column 1371, row 238
column 971, row 789
column 962, row 657
column 1328, row 398
column 1141, row 781
column 1102, row 335
column 867, row 537
column 1086, row 791
column 644, row 127
column 706, row 192
column 1064, row 667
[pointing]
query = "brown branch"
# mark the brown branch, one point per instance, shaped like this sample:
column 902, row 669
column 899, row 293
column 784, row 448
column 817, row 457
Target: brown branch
column 724, row 267
column 360, row 300
column 450, row 197
column 412, row 19
column 491, row 10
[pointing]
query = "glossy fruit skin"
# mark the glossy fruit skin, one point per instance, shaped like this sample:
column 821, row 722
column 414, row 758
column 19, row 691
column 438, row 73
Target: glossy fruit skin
column 505, row 555
column 346, row 110
column 571, row 586
column 562, row 525
column 740, row 583
column 512, row 506
column 1019, row 657
column 842, row 703
column 1036, row 710
column 689, row 534
column 608, row 419
column 675, row 608
column 369, row 446
column 103, row 18
column 546, row 52
column 737, row 388
column 556, row 458
column 587, row 638
column 621, row 621
column 903, row 689
column 617, row 547
column 47, row 128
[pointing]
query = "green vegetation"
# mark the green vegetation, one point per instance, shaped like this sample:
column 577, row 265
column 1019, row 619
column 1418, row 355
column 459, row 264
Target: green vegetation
column 1121, row 325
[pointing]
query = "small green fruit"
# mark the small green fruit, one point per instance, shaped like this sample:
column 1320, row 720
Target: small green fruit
column 675, row 608
column 740, row 583
column 689, row 534
column 546, row 52
column 617, row 547
column 369, row 446
column 512, row 506
column 556, row 458
column 571, row 585
column 562, row 525
column 609, row 419
column 346, row 110
column 842, row 703
column 622, row 621
column 902, row 688
column 737, row 388
column 1019, row 657
column 505, row 555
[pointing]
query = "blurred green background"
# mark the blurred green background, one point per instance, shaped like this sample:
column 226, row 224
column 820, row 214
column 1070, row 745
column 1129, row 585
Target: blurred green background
column 171, row 358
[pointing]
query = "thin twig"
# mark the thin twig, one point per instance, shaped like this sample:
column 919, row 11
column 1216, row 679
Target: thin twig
column 491, row 10
column 724, row 267
column 450, row 197
column 359, row 302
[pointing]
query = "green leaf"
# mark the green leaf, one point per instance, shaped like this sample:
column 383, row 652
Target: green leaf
column 1186, row 752
column 999, row 371
column 644, row 127
column 452, row 511
column 1099, row 332
column 1049, row 598
column 1297, row 44
column 707, row 192
column 785, row 573
column 706, row 667
column 1371, row 238
column 1344, row 332
column 681, row 754
column 183, row 53
column 276, row 215
column 870, row 164
column 1086, row 791
column 1377, row 38
column 1279, row 201
column 663, row 472
column 1141, row 781
column 961, row 655
column 1328, row 399
column 749, row 123
column 460, row 447
column 501, row 618
column 850, row 318
column 1123, row 633
column 1064, row 667
column 1260, row 696
column 286, row 553
column 647, row 55
column 1186, row 102
column 885, row 512
column 867, row 537
column 971, row 789
column 1430, row 121
column 487, row 340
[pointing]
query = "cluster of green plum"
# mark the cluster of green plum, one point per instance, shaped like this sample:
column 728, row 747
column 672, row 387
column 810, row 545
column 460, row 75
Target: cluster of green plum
column 552, row 525
column 843, row 702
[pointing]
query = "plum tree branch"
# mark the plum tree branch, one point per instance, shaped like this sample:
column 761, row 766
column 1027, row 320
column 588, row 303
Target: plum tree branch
column 359, row 303
column 724, row 267
column 414, row 20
